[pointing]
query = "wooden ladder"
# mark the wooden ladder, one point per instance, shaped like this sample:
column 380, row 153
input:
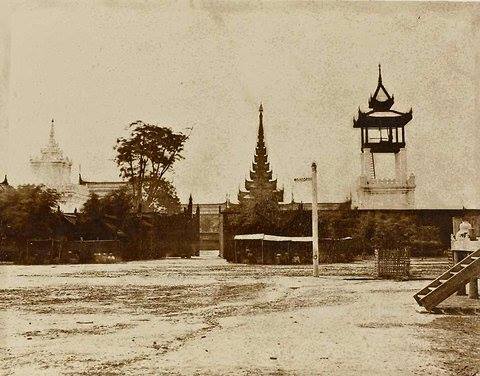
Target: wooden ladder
column 449, row 282
column 372, row 166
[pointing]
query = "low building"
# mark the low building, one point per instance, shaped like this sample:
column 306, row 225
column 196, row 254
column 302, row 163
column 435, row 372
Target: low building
column 101, row 188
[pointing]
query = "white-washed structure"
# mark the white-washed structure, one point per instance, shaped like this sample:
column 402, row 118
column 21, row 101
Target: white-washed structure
column 53, row 169
column 383, row 132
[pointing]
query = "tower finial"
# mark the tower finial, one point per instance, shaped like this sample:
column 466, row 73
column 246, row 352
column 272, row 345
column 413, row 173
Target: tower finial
column 190, row 205
column 379, row 73
column 260, row 119
column 52, row 132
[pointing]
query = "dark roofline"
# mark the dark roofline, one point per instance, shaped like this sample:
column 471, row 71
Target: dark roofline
column 85, row 182
column 365, row 120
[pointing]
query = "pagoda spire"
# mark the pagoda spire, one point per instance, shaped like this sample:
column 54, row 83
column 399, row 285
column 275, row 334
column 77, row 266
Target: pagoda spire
column 381, row 100
column 261, row 134
column 52, row 142
column 52, row 130
column 190, row 205
column 260, row 165
column 261, row 181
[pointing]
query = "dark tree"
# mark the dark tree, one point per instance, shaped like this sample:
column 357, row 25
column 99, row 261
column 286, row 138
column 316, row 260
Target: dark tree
column 261, row 214
column 144, row 158
column 166, row 199
column 92, row 218
column 29, row 211
column 109, row 216
column 394, row 232
column 118, row 203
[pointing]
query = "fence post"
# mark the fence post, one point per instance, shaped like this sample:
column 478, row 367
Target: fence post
column 262, row 253
column 457, row 257
column 235, row 250
column 473, row 289
column 314, row 220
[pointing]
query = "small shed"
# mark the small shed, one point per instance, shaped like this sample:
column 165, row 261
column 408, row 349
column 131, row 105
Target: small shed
column 262, row 248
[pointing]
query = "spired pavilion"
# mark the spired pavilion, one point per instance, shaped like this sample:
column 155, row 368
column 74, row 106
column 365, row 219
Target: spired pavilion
column 383, row 132
column 261, row 182
column 53, row 169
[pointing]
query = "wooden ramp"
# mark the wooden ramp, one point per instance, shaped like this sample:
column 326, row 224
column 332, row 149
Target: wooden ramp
column 449, row 282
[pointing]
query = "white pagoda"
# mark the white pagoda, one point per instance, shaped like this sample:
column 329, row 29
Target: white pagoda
column 51, row 167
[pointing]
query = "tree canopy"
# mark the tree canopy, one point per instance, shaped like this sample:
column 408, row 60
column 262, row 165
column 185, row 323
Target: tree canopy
column 260, row 214
column 105, row 217
column 29, row 211
column 144, row 158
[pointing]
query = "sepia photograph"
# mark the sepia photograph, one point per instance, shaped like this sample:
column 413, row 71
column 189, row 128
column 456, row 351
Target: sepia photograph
column 239, row 187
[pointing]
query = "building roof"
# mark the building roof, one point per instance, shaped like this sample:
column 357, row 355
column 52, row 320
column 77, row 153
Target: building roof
column 381, row 115
column 381, row 100
column 102, row 183
column 382, row 119
column 273, row 238
column 4, row 184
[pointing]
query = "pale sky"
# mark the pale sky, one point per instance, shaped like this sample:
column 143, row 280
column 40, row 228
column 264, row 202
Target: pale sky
column 96, row 66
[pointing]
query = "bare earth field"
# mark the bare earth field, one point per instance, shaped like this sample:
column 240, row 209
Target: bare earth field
column 206, row 317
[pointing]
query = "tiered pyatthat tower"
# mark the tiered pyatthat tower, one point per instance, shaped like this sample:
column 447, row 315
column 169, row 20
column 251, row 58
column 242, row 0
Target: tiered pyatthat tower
column 383, row 131
column 261, row 183
column 52, row 168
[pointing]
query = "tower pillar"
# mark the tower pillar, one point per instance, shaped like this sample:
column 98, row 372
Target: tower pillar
column 401, row 165
column 362, row 161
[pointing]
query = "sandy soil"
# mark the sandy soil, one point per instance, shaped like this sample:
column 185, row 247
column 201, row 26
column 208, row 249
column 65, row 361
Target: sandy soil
column 206, row 317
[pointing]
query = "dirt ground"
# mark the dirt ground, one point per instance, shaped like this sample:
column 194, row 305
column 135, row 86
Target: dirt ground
column 205, row 317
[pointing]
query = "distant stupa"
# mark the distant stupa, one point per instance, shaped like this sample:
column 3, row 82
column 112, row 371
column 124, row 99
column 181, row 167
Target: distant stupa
column 51, row 167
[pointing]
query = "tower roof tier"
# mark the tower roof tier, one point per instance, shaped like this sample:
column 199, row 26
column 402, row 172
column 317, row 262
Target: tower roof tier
column 382, row 119
column 252, row 185
column 381, row 114
column 246, row 195
column 381, row 100
column 382, row 129
column 261, row 166
column 255, row 175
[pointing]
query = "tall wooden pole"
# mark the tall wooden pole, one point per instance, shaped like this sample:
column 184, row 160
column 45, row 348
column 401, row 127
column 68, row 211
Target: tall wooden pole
column 314, row 220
